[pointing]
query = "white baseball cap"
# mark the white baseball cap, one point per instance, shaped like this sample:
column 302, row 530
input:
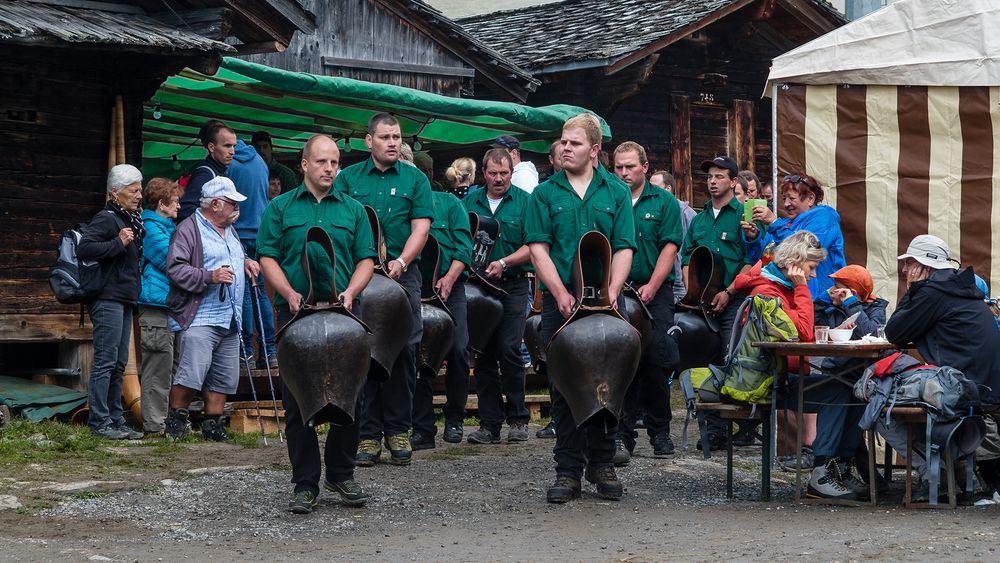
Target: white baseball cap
column 221, row 187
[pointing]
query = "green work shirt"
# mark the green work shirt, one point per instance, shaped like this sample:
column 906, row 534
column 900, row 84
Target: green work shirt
column 285, row 175
column 283, row 230
column 510, row 216
column 722, row 235
column 450, row 226
column 398, row 195
column 556, row 215
column 657, row 222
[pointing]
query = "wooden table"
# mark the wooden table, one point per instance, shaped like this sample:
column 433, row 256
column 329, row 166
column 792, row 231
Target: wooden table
column 802, row 350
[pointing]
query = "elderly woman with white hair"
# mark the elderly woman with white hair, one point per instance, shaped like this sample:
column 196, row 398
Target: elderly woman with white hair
column 114, row 239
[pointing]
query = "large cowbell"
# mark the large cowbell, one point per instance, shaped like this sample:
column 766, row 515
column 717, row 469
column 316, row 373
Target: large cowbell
column 593, row 356
column 705, row 276
column 638, row 315
column 323, row 351
column 438, row 323
column 699, row 345
column 386, row 311
column 485, row 310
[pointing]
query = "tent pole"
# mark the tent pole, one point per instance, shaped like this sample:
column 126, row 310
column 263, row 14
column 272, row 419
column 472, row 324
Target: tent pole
column 774, row 147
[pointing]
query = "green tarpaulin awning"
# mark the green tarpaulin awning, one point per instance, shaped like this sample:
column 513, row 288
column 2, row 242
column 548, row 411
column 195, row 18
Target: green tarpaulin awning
column 38, row 401
column 293, row 106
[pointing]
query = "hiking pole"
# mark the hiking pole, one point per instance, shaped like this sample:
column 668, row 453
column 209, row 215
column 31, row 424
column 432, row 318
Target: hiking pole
column 246, row 362
column 267, row 359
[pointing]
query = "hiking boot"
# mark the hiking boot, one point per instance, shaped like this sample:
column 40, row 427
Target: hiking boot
column 130, row 434
column 622, row 455
column 303, row 502
column 845, row 472
column 421, row 441
column 518, row 432
column 824, row 483
column 715, row 443
column 453, row 433
column 563, row 490
column 400, row 450
column 368, row 453
column 177, row 425
column 604, row 476
column 548, row 432
column 745, row 436
column 214, row 429
column 349, row 491
column 787, row 462
column 662, row 445
column 484, row 436
column 110, row 433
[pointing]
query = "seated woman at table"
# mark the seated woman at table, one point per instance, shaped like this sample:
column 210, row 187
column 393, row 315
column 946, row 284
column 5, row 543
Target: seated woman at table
column 838, row 436
column 786, row 277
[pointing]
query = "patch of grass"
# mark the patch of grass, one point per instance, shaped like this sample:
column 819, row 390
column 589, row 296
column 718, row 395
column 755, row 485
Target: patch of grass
column 89, row 494
column 250, row 440
column 23, row 442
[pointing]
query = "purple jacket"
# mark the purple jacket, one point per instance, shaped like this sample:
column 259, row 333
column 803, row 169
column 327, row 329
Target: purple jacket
column 186, row 271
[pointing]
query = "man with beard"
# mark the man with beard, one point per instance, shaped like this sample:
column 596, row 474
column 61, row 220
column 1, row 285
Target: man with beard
column 401, row 197
column 206, row 267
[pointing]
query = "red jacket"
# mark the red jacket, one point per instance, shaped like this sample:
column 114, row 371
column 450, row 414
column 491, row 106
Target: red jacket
column 796, row 302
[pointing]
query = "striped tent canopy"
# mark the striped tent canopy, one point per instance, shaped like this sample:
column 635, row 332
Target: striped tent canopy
column 903, row 130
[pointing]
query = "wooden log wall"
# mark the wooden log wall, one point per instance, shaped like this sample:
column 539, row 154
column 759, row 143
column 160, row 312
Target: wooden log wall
column 359, row 40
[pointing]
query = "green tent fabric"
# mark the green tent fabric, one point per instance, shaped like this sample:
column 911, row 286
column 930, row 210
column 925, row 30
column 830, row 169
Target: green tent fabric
column 293, row 106
column 38, row 401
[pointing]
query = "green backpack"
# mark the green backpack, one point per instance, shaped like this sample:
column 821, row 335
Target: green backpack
column 747, row 375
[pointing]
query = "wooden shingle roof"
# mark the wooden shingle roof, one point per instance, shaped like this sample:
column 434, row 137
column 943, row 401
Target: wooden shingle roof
column 575, row 31
column 25, row 21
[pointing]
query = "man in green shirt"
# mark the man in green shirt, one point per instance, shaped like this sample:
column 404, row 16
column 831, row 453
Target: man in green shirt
column 261, row 141
column 280, row 239
column 718, row 228
column 500, row 368
column 450, row 226
column 401, row 197
column 658, row 236
column 575, row 200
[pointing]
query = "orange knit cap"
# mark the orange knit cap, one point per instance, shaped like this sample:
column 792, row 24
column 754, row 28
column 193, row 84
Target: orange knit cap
column 858, row 280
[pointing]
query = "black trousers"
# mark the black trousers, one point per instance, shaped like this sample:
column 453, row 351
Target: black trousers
column 575, row 447
column 387, row 407
column 456, row 379
column 649, row 391
column 500, row 368
column 303, row 446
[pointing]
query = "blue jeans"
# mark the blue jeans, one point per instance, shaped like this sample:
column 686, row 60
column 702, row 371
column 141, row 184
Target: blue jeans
column 112, row 322
column 250, row 304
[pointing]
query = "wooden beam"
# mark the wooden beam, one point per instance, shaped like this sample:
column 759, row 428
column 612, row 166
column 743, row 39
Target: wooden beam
column 292, row 10
column 659, row 44
column 44, row 328
column 620, row 95
column 680, row 143
column 741, row 134
column 261, row 47
column 764, row 11
column 438, row 70
column 91, row 5
column 807, row 14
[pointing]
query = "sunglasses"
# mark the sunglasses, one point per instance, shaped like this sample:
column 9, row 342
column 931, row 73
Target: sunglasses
column 796, row 179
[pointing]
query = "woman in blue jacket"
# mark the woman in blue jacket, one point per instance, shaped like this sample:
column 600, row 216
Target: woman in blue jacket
column 801, row 197
column 161, row 200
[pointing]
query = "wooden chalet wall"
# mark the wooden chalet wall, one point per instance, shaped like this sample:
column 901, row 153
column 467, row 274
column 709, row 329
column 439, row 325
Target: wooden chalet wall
column 356, row 39
column 55, row 116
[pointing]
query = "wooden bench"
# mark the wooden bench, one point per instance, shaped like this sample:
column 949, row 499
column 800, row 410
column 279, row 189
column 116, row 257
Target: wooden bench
column 533, row 402
column 730, row 412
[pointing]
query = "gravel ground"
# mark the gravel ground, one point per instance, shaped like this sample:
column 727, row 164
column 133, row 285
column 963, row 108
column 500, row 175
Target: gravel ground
column 486, row 503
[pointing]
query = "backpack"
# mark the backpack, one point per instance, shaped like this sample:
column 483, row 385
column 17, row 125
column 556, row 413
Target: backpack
column 747, row 375
column 900, row 379
column 74, row 280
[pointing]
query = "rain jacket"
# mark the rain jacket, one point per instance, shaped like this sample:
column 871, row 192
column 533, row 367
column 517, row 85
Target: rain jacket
column 250, row 174
column 946, row 318
column 822, row 221
column 795, row 300
column 870, row 315
column 155, row 244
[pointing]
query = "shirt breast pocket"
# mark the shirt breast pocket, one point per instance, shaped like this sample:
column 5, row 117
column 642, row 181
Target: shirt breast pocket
column 603, row 217
column 648, row 224
column 510, row 230
column 439, row 226
column 563, row 221
column 400, row 201
column 362, row 194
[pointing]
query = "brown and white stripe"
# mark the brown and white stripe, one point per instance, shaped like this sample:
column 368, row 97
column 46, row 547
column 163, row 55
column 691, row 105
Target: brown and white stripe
column 899, row 161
